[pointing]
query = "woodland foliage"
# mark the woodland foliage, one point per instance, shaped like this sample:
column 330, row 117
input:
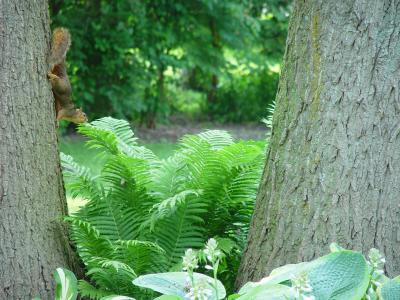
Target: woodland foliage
column 142, row 213
column 142, row 60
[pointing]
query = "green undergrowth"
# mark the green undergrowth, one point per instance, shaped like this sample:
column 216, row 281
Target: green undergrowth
column 340, row 275
column 94, row 159
column 139, row 212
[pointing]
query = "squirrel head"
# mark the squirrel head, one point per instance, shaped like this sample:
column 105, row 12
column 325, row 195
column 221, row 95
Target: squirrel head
column 75, row 116
column 79, row 116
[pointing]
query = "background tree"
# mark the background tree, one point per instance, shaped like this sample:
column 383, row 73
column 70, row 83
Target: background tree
column 103, row 61
column 146, row 60
column 332, row 167
column 32, row 201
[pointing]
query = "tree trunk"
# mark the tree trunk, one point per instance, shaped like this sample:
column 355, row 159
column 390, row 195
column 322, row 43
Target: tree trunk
column 215, row 42
column 332, row 170
column 212, row 93
column 153, row 108
column 33, row 239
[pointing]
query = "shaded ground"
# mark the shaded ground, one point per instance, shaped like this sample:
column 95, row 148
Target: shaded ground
column 171, row 133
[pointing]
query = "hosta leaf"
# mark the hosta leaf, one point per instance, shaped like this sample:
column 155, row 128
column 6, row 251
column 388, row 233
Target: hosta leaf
column 390, row 290
column 169, row 297
column 341, row 275
column 271, row 292
column 113, row 297
column 175, row 283
column 281, row 274
column 335, row 247
column 66, row 285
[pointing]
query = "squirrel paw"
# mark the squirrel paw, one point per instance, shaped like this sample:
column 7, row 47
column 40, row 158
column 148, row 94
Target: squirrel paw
column 52, row 76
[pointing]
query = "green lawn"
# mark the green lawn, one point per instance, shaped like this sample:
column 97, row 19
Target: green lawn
column 162, row 150
column 92, row 159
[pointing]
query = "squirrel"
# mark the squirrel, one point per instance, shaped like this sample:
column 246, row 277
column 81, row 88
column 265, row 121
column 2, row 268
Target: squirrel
column 57, row 75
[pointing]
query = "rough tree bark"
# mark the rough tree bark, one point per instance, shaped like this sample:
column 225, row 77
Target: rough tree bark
column 332, row 170
column 33, row 240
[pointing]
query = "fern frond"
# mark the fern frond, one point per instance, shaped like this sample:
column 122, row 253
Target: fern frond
column 217, row 138
column 122, row 173
column 170, row 178
column 181, row 231
column 268, row 121
column 86, row 290
column 118, row 266
column 109, row 219
column 80, row 182
column 110, row 279
column 108, row 134
column 120, row 128
column 88, row 240
column 142, row 153
column 144, row 257
column 143, row 213
column 168, row 206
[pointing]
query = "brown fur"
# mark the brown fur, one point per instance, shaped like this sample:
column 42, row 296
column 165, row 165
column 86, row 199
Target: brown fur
column 60, row 44
column 59, row 80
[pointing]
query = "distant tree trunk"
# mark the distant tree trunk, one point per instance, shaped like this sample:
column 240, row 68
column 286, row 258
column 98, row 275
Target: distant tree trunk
column 189, row 79
column 151, row 114
column 332, row 170
column 33, row 239
column 211, row 95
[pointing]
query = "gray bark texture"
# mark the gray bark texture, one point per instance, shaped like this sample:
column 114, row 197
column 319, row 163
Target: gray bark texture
column 33, row 239
column 333, row 165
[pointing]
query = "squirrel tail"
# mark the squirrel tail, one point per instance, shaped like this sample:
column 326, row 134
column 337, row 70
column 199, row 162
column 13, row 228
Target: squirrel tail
column 59, row 46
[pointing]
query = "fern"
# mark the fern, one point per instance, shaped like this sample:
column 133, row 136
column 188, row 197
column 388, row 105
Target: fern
column 87, row 290
column 268, row 121
column 142, row 213
column 80, row 180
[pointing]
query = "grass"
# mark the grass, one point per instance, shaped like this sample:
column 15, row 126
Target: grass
column 162, row 150
column 92, row 159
